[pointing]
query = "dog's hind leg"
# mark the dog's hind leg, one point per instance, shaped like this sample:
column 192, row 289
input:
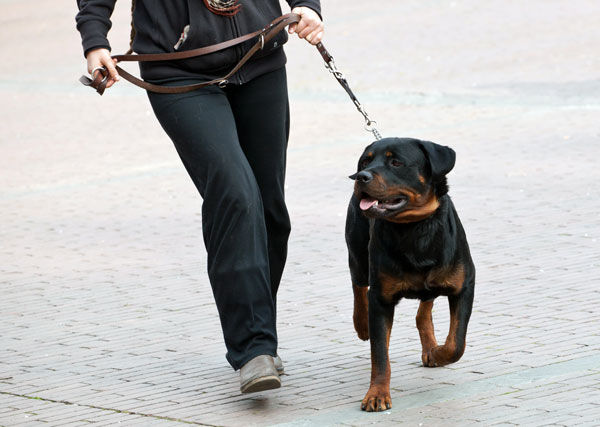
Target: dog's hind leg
column 425, row 327
column 454, row 347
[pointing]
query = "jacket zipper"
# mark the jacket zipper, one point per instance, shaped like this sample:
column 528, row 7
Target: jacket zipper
column 239, row 77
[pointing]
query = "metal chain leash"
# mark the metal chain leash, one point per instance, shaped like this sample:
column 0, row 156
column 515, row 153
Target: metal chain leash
column 331, row 67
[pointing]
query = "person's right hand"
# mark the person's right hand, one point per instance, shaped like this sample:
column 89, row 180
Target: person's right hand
column 101, row 58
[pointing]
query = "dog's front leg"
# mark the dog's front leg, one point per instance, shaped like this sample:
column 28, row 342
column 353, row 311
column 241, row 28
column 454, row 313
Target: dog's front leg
column 381, row 318
column 361, row 311
column 426, row 331
column 454, row 347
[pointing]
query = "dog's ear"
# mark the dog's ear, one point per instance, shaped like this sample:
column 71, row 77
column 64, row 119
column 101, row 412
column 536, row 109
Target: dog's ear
column 441, row 158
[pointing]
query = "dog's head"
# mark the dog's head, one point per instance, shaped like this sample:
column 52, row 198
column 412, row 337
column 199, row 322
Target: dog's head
column 402, row 179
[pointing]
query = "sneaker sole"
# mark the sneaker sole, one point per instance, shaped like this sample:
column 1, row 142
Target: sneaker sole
column 262, row 384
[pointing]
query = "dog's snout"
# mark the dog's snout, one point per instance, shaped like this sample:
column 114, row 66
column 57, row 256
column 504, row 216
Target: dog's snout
column 364, row 177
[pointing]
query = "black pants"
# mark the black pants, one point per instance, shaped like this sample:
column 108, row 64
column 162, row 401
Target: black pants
column 233, row 144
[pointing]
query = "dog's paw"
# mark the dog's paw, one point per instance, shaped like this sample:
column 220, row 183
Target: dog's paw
column 361, row 327
column 377, row 399
column 440, row 355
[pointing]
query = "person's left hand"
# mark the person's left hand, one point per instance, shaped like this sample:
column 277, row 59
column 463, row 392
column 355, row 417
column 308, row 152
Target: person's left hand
column 310, row 26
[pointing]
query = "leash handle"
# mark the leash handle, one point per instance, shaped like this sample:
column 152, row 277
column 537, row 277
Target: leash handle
column 331, row 67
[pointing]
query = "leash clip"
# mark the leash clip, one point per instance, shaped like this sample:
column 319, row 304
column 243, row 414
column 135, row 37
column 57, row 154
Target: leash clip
column 330, row 65
column 370, row 127
column 369, row 124
column 262, row 41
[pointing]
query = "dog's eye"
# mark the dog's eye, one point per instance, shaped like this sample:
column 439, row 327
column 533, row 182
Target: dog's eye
column 396, row 163
column 365, row 162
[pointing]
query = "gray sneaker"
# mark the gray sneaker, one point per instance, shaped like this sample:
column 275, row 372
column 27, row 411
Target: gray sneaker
column 259, row 374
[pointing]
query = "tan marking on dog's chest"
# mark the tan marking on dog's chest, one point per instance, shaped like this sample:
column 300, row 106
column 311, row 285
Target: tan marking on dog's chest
column 449, row 279
column 392, row 286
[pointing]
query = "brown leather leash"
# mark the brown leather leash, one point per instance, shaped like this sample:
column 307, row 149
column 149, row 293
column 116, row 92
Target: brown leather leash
column 99, row 75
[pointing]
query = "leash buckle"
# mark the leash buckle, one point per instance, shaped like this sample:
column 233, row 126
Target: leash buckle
column 103, row 72
column 93, row 81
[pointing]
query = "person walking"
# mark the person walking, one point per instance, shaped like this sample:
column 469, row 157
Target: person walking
column 232, row 140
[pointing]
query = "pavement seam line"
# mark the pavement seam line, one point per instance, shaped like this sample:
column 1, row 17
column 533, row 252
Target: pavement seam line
column 117, row 411
column 445, row 394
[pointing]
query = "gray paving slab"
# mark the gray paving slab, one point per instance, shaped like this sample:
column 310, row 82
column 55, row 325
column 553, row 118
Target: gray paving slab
column 107, row 317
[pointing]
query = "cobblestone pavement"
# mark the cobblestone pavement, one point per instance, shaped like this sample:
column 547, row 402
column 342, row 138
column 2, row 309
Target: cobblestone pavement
column 106, row 314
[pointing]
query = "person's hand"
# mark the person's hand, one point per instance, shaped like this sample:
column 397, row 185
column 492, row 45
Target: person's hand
column 101, row 58
column 310, row 26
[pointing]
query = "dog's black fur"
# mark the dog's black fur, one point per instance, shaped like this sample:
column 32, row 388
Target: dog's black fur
column 408, row 244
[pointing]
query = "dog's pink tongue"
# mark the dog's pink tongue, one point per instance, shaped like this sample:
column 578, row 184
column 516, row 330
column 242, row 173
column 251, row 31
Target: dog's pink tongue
column 367, row 203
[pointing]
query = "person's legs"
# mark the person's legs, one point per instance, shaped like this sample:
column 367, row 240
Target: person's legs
column 261, row 111
column 202, row 127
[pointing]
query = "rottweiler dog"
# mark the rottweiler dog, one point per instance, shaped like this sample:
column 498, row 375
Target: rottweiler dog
column 405, row 240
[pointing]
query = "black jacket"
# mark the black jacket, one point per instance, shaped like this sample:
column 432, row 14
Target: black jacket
column 159, row 25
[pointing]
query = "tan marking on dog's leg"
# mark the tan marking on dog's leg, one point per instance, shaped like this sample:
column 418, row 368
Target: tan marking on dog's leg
column 448, row 353
column 361, row 311
column 426, row 330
